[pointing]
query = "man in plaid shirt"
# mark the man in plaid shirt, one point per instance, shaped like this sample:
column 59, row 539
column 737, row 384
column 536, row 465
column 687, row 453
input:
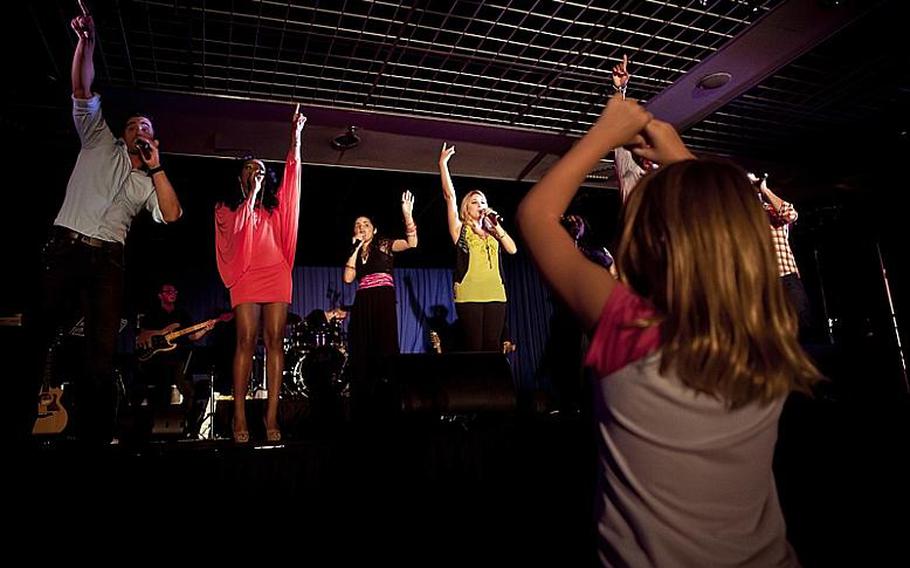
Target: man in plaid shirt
column 780, row 215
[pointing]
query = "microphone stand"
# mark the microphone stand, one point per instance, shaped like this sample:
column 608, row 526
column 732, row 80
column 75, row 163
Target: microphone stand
column 829, row 322
column 897, row 333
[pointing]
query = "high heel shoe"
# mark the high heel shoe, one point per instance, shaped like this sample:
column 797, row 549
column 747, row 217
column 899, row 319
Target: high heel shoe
column 240, row 436
column 271, row 434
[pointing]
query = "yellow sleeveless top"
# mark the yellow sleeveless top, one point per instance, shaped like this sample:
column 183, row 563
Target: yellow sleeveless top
column 482, row 282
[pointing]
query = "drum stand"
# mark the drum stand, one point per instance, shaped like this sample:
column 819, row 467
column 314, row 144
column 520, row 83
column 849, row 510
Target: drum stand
column 259, row 386
column 207, row 422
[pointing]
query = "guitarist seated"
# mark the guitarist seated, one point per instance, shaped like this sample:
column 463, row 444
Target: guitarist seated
column 164, row 368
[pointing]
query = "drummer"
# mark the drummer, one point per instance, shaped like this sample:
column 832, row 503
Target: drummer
column 318, row 317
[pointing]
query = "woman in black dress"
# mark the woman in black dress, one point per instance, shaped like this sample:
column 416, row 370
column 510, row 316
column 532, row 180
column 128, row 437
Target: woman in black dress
column 373, row 328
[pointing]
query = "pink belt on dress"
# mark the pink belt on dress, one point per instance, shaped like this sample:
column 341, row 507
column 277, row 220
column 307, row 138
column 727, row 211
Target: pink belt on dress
column 375, row 280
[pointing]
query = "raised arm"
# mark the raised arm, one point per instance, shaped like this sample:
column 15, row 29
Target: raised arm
column 289, row 192
column 448, row 192
column 410, row 228
column 783, row 211
column 583, row 285
column 627, row 171
column 621, row 76
column 82, row 72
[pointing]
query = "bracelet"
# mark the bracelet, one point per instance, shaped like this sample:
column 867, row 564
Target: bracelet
column 351, row 266
column 153, row 171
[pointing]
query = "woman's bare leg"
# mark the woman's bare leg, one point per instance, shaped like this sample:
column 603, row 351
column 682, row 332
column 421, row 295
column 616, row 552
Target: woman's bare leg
column 247, row 319
column 274, row 319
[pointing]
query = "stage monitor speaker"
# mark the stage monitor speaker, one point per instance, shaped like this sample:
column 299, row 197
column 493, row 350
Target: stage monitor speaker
column 170, row 421
column 454, row 383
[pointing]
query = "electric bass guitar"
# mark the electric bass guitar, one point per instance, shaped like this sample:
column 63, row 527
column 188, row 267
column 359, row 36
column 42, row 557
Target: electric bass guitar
column 163, row 339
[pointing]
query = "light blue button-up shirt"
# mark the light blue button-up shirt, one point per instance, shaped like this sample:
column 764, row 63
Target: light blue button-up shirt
column 104, row 192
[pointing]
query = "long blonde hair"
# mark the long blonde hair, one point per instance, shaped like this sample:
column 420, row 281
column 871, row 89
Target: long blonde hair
column 463, row 212
column 697, row 244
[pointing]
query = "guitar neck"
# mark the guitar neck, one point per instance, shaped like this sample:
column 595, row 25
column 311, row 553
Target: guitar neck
column 50, row 359
column 192, row 329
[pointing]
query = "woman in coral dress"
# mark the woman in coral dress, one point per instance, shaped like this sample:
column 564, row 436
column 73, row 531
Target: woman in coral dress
column 255, row 241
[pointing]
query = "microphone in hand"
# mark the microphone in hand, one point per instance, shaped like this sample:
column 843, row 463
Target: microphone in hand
column 493, row 218
column 145, row 148
column 354, row 246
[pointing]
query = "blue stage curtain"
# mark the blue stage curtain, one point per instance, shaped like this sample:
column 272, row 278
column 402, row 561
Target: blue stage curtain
column 418, row 291
column 528, row 318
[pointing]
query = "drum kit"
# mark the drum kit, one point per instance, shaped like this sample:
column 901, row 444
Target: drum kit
column 315, row 355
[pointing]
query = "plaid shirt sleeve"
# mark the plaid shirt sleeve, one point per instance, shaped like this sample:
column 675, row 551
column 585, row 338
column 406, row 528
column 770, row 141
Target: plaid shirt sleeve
column 780, row 220
column 782, row 216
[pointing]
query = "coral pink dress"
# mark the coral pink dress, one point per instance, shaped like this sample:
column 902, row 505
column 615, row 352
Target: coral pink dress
column 255, row 249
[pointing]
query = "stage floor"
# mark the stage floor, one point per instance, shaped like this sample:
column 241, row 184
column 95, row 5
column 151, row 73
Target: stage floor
column 503, row 487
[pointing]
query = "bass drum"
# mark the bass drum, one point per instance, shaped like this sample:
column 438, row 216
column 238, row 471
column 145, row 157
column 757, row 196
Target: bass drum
column 322, row 334
column 318, row 372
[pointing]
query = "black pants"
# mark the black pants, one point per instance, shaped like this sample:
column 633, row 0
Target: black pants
column 563, row 360
column 793, row 286
column 79, row 280
column 482, row 324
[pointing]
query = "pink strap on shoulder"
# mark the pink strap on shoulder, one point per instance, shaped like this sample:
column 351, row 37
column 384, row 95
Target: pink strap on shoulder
column 619, row 338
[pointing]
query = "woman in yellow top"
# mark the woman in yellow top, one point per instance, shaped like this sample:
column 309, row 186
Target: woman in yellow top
column 478, row 234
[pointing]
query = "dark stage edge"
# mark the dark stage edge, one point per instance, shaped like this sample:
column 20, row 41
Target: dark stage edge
column 512, row 488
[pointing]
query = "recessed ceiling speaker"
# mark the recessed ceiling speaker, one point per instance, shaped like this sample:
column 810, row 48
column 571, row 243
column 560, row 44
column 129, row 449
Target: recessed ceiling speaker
column 714, row 80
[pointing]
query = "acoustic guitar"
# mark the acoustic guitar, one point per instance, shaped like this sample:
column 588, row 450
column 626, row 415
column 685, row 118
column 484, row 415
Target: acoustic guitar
column 52, row 416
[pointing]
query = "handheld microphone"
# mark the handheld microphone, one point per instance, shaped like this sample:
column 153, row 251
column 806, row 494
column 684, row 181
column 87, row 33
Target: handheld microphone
column 494, row 218
column 145, row 147
column 354, row 246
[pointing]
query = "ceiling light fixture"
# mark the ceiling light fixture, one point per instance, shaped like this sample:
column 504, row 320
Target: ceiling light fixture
column 347, row 140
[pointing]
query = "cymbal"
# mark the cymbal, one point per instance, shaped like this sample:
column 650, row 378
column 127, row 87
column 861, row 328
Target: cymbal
column 337, row 313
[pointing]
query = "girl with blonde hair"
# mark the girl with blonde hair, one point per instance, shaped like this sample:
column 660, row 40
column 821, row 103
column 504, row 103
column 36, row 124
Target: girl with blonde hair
column 478, row 235
column 694, row 346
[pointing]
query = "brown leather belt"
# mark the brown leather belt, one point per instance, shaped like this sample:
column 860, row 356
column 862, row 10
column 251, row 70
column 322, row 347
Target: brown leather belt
column 69, row 234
